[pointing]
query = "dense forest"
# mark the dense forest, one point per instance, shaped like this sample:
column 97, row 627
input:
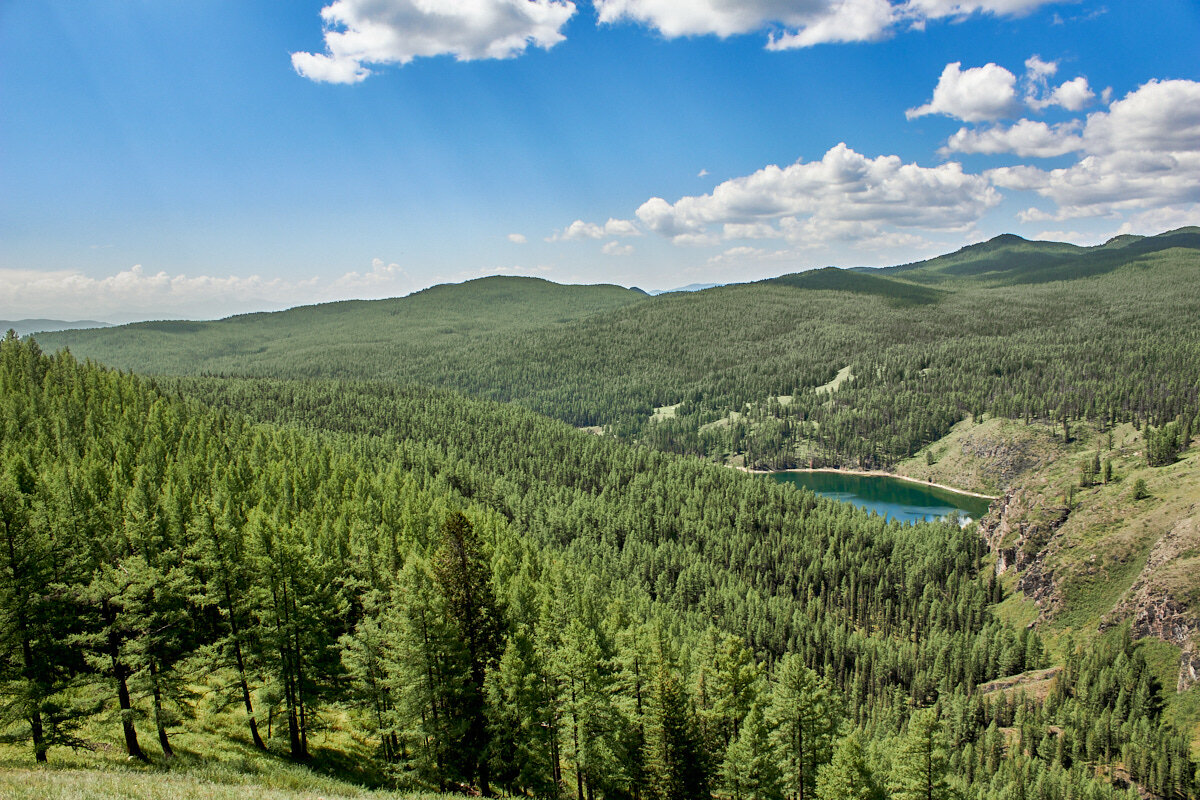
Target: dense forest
column 1023, row 330
column 496, row 600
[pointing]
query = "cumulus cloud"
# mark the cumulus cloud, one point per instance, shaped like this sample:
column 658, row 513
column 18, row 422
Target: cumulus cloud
column 616, row 249
column 1157, row 220
column 1144, row 152
column 579, row 229
column 1024, row 138
column 136, row 293
column 1073, row 95
column 361, row 33
column 845, row 195
column 517, row 238
column 976, row 94
column 1073, row 237
column 846, row 21
column 1158, row 116
column 797, row 23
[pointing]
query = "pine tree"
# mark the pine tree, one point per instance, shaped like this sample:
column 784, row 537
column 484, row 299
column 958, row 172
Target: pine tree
column 751, row 767
column 847, row 776
column 25, row 668
column 675, row 764
column 920, row 763
column 464, row 578
column 805, row 718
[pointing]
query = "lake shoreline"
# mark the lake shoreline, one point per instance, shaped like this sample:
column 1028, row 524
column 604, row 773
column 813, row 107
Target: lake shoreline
column 873, row 473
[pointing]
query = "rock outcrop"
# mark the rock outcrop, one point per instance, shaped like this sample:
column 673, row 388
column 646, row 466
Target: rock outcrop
column 1151, row 605
column 1022, row 531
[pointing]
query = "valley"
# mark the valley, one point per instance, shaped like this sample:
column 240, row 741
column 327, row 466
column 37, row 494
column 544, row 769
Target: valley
column 375, row 530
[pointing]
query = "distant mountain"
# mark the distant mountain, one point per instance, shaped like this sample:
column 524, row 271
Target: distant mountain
column 691, row 287
column 24, row 327
column 981, row 329
column 1010, row 260
column 405, row 335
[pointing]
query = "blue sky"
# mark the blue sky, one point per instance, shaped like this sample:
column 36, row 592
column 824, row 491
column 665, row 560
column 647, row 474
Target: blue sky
column 207, row 158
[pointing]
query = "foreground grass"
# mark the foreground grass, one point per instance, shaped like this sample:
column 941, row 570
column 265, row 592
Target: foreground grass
column 210, row 782
column 214, row 759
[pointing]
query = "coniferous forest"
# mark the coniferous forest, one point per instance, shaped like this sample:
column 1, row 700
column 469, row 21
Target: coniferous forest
column 493, row 601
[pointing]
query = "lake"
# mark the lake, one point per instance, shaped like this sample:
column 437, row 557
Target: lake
column 891, row 497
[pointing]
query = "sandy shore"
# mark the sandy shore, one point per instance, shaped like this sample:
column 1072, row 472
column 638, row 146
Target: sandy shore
column 875, row 473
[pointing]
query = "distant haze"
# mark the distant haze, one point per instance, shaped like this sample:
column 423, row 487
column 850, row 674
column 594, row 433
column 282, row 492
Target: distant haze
column 24, row 327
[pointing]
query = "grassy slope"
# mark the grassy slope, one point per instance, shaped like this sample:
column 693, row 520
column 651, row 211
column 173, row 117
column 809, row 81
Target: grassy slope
column 198, row 782
column 1114, row 556
column 214, row 760
column 1101, row 549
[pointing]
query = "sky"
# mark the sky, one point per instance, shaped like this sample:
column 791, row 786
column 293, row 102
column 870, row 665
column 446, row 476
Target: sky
column 195, row 160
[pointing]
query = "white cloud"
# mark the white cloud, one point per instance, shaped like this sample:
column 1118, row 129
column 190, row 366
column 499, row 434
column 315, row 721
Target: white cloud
column 750, row 230
column 1144, row 152
column 1158, row 116
column 324, row 68
column 702, row 173
column 579, row 229
column 797, row 23
column 844, row 187
column 517, row 238
column 616, row 249
column 935, row 9
column 1157, row 220
column 1074, row 95
column 845, row 21
column 1024, row 138
column 382, row 280
column 135, row 293
column 361, row 33
column 621, row 227
column 1038, row 70
column 672, row 18
column 976, row 94
column 1074, row 237
column 736, row 255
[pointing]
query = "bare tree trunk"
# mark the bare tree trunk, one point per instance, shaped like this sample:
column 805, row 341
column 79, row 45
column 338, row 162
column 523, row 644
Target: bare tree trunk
column 121, row 674
column 158, row 712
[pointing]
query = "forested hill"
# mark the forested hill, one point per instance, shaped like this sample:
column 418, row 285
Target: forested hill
column 357, row 337
column 1009, row 259
column 1025, row 330
column 438, row 592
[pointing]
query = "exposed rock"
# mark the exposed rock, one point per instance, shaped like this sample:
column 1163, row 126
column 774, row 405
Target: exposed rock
column 1002, row 459
column 1150, row 605
column 1023, row 532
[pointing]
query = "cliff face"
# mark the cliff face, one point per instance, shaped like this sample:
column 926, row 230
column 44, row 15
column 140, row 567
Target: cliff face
column 1023, row 532
column 1157, row 602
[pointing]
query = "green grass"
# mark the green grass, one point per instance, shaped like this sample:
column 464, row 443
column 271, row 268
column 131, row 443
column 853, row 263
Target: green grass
column 1183, row 709
column 1163, row 660
column 214, row 758
column 207, row 782
column 1016, row 610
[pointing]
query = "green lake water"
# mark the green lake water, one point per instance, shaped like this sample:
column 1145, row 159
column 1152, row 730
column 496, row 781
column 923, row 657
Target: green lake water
column 890, row 497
